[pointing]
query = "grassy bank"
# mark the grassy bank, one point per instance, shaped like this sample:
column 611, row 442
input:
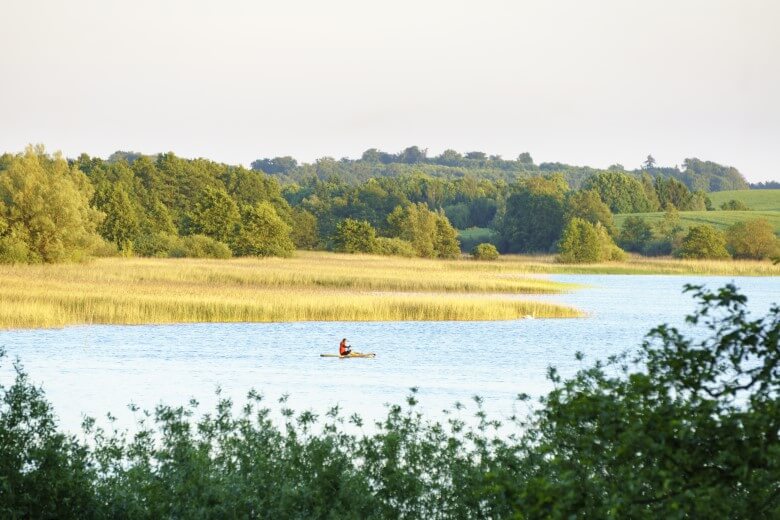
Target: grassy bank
column 309, row 287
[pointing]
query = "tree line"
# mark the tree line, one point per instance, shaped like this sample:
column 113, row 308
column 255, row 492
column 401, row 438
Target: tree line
column 54, row 209
column 696, row 174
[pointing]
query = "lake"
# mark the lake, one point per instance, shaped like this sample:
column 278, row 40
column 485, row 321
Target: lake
column 96, row 369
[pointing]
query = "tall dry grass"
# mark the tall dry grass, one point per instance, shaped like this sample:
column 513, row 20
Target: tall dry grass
column 309, row 287
column 635, row 264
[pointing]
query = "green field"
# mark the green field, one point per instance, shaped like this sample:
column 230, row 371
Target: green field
column 719, row 219
column 759, row 200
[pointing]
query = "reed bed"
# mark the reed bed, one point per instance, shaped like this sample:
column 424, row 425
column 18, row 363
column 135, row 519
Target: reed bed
column 309, row 287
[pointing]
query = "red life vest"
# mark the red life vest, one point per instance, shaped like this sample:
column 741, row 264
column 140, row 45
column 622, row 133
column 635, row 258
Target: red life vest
column 342, row 348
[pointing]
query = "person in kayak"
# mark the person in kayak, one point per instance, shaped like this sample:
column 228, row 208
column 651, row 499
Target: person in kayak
column 344, row 349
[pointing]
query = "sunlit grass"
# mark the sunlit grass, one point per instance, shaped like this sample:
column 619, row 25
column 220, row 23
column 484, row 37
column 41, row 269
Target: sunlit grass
column 309, row 287
column 760, row 200
column 635, row 264
column 719, row 219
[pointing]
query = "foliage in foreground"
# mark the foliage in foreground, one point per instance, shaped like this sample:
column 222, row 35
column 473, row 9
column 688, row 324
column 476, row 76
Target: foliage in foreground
column 682, row 428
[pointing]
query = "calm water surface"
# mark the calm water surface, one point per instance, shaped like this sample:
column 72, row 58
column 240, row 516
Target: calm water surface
column 95, row 369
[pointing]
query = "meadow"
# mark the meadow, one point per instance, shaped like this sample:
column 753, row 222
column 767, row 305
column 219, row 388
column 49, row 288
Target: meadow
column 308, row 287
column 759, row 200
column 763, row 204
column 719, row 219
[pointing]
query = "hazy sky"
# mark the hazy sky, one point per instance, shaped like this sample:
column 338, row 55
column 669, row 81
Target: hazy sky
column 577, row 81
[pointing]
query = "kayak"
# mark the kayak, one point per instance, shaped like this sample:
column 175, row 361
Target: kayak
column 351, row 355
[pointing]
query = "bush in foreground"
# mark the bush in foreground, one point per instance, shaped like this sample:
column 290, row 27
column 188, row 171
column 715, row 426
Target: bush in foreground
column 682, row 428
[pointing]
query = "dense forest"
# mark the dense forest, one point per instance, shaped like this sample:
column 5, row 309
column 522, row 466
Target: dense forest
column 54, row 209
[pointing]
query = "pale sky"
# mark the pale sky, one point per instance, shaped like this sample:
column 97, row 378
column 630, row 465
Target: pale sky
column 579, row 81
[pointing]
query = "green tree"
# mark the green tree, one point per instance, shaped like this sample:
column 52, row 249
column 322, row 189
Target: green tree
column 587, row 205
column 458, row 214
column 623, row 193
column 703, row 242
column 263, row 232
column 215, row 214
column 355, row 236
column 672, row 192
column 668, row 234
column 430, row 233
column 446, row 243
column 304, row 229
column 46, row 207
column 121, row 224
column 583, row 242
column 635, row 235
column 534, row 216
column 648, row 187
column 752, row 239
column 525, row 159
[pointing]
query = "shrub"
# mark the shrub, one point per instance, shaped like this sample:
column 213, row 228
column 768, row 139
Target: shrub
column 155, row 244
column 582, row 242
column 355, row 236
column 609, row 251
column 734, row 205
column 13, row 250
column 485, row 251
column 752, row 239
column 200, row 246
column 394, row 247
column 579, row 243
column 703, row 242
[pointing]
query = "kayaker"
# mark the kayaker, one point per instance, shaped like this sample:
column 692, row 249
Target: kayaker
column 344, row 349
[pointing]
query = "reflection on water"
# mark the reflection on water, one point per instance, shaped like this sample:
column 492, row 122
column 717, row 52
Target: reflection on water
column 96, row 369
